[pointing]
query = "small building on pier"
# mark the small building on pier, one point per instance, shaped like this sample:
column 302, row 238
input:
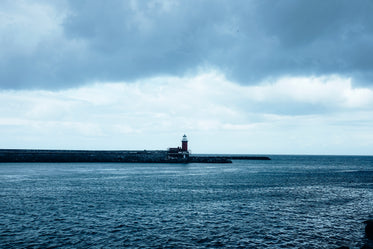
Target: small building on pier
column 179, row 153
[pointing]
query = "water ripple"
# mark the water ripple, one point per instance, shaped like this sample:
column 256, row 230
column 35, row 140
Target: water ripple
column 243, row 205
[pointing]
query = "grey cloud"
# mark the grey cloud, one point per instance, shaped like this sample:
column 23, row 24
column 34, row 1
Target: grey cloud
column 247, row 40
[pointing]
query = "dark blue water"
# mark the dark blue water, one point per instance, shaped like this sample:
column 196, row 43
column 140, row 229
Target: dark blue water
column 290, row 202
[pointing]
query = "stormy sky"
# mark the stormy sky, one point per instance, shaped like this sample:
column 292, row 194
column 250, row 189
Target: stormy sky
column 236, row 76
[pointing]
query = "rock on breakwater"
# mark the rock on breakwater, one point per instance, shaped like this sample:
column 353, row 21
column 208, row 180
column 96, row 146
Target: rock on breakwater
column 369, row 229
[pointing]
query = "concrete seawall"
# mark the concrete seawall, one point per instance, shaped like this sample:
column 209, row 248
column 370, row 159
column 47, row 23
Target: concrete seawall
column 82, row 156
column 145, row 156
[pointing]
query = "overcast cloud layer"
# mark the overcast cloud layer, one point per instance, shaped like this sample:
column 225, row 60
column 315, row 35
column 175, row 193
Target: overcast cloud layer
column 63, row 44
column 241, row 76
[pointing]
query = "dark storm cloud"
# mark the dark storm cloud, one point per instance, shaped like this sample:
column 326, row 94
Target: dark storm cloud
column 247, row 40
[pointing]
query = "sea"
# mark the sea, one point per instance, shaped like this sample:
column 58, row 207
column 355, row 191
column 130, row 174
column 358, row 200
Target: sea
column 287, row 202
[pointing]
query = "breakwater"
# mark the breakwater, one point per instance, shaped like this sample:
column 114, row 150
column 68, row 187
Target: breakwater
column 227, row 159
column 83, row 156
column 135, row 156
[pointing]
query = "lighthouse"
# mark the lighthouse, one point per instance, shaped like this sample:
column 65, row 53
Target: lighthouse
column 184, row 143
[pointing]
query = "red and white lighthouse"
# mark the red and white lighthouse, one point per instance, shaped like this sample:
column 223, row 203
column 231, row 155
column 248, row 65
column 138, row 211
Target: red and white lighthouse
column 184, row 143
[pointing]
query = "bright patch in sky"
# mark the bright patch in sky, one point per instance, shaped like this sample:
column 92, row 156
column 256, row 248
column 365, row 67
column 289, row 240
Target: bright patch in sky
column 218, row 115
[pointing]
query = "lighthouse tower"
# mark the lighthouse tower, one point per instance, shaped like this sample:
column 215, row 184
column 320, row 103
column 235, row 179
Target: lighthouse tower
column 184, row 143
